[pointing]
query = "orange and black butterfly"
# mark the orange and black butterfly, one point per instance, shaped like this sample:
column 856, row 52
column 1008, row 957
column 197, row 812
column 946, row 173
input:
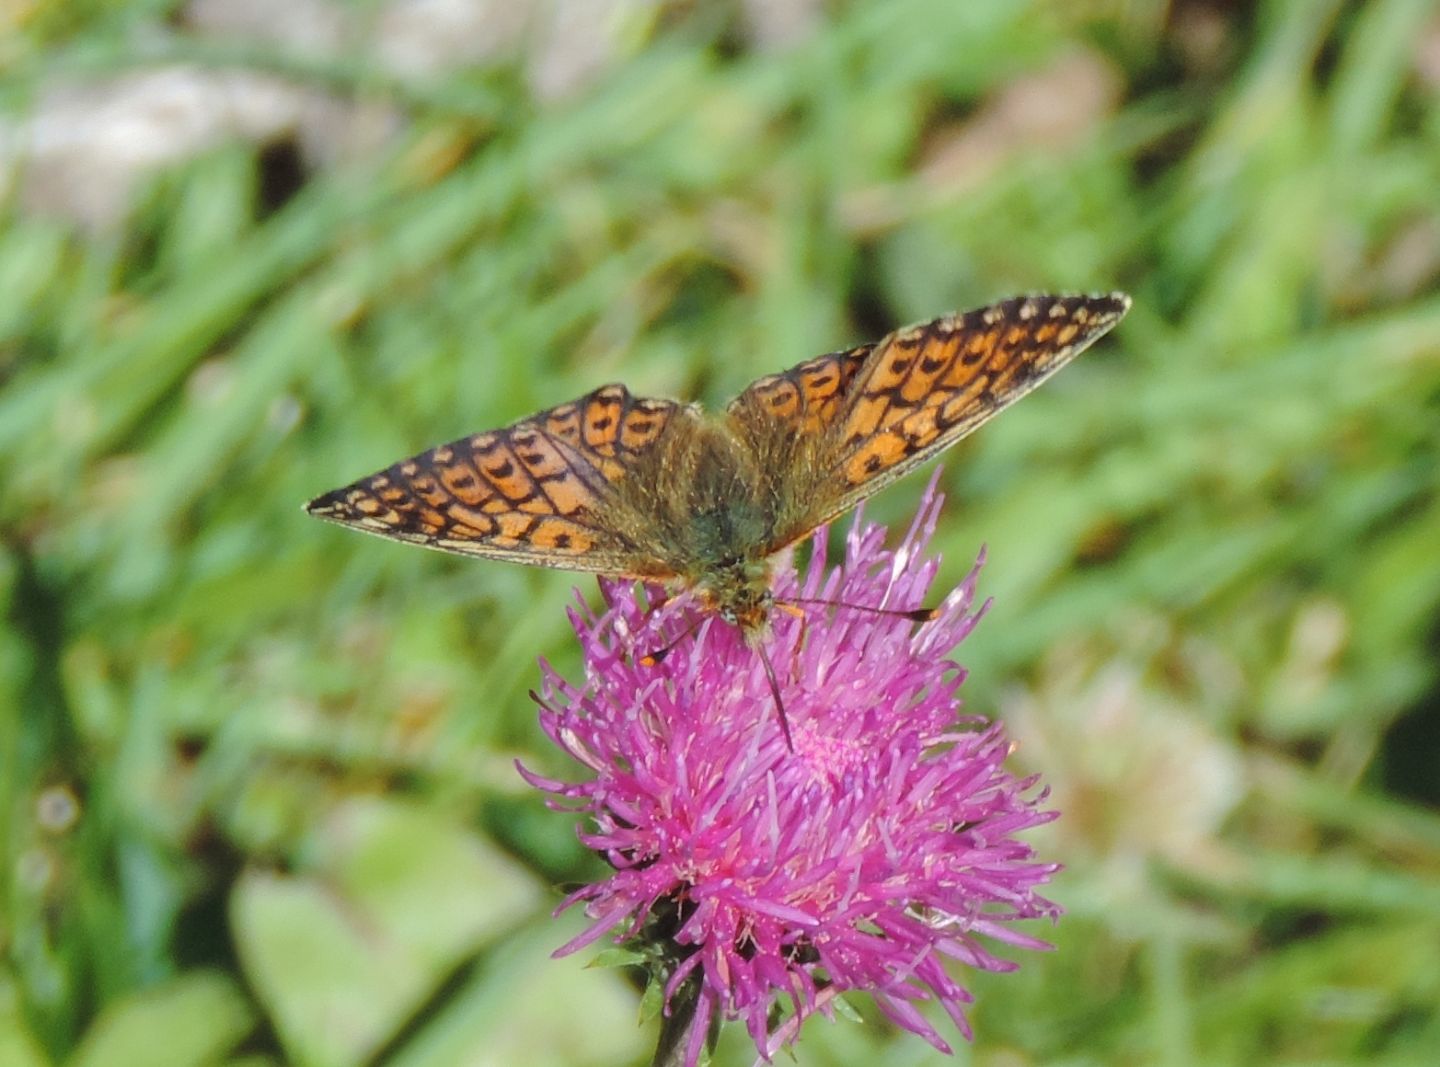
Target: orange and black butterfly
column 655, row 489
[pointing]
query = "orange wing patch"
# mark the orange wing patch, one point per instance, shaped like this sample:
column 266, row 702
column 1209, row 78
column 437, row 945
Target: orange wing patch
column 534, row 492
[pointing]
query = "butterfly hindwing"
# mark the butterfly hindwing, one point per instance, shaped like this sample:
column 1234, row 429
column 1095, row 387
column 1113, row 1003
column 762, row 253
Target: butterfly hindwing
column 783, row 422
column 804, row 399
column 533, row 492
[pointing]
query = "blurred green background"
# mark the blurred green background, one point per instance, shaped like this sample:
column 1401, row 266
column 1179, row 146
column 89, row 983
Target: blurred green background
column 257, row 802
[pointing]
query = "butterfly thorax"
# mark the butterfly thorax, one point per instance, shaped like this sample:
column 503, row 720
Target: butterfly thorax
column 710, row 518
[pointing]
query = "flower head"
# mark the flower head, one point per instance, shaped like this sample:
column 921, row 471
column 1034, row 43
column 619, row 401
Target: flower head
column 882, row 845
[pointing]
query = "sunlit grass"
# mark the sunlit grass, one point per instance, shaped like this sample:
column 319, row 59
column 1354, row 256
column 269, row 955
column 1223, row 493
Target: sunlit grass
column 1211, row 541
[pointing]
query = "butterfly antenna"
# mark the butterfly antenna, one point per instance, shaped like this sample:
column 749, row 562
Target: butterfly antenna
column 914, row 615
column 651, row 659
column 775, row 692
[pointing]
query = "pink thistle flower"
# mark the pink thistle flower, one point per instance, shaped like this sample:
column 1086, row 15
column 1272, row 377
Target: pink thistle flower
column 882, row 846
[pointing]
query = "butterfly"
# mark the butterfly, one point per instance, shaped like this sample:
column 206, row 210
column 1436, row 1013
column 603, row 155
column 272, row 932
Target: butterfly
column 657, row 490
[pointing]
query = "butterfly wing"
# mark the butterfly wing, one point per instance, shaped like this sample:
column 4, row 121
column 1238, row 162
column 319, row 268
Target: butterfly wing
column 536, row 492
column 930, row 385
column 853, row 422
column 784, row 423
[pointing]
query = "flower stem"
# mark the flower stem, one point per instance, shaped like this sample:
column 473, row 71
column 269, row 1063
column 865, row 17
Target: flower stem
column 677, row 1025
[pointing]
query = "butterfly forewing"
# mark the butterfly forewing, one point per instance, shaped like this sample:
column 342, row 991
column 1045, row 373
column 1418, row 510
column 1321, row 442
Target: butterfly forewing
column 928, row 386
column 537, row 492
column 914, row 393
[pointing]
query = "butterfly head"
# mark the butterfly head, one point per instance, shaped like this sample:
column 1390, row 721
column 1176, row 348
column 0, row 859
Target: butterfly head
column 739, row 592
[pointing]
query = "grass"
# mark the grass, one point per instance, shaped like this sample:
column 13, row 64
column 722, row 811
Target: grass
column 256, row 772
